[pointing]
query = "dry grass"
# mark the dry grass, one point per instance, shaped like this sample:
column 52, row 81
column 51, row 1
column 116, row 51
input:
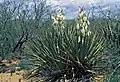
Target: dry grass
column 7, row 77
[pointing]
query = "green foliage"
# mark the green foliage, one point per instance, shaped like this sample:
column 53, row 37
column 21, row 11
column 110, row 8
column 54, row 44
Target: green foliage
column 61, row 51
column 66, row 53
column 111, row 32
column 20, row 23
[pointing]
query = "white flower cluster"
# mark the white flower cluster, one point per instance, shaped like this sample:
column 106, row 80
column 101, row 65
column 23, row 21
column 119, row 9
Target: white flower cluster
column 83, row 23
column 59, row 18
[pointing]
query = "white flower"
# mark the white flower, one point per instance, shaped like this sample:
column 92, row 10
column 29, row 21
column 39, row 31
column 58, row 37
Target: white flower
column 88, row 33
column 83, row 23
column 83, row 31
column 63, row 26
column 54, row 20
column 78, row 26
column 59, row 18
column 53, row 17
column 88, row 22
column 84, row 18
column 86, row 27
column 81, row 13
column 79, row 39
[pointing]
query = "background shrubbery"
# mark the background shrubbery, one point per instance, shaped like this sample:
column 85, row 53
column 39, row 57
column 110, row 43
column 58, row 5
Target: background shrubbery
column 28, row 32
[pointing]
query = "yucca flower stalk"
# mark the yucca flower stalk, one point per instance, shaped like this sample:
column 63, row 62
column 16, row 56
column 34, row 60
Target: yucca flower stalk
column 58, row 20
column 58, row 25
column 83, row 23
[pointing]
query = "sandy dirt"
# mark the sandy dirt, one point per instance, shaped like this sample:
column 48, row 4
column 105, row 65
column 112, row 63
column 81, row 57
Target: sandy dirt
column 6, row 77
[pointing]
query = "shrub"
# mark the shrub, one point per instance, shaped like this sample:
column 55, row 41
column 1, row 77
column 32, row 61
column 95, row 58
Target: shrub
column 67, row 52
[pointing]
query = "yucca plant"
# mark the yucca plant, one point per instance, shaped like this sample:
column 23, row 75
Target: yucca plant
column 66, row 53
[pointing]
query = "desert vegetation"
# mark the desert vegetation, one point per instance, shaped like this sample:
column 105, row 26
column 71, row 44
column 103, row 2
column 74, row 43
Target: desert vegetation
column 38, row 44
